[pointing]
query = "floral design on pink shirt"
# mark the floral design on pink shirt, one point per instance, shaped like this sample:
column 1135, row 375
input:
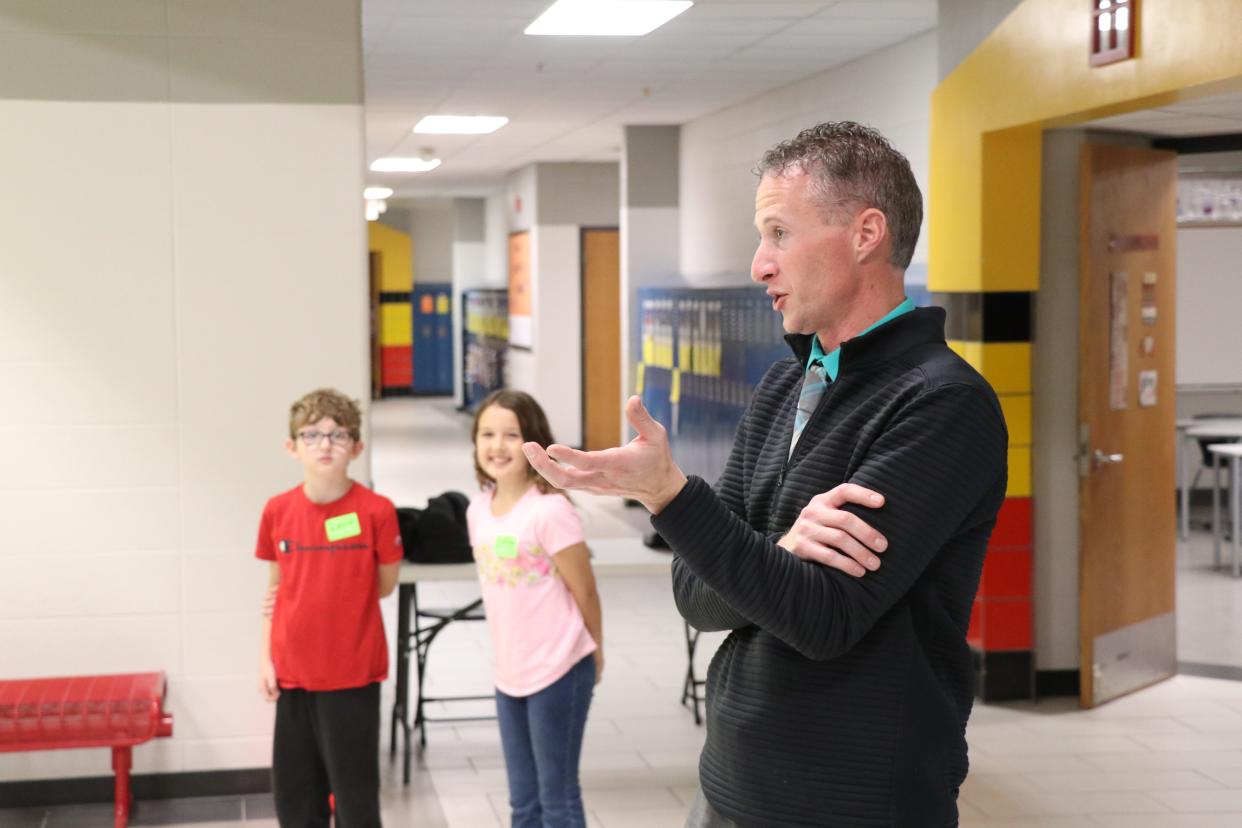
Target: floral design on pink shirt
column 529, row 567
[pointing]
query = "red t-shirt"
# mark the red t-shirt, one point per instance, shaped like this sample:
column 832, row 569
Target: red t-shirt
column 327, row 633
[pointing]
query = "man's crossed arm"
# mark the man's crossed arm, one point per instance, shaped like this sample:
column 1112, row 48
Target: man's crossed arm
column 644, row 470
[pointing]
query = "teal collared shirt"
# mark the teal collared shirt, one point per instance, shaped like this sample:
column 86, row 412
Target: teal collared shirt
column 832, row 361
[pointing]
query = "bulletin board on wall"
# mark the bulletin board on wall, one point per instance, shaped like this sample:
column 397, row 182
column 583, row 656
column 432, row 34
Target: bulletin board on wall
column 521, row 323
column 485, row 341
column 704, row 350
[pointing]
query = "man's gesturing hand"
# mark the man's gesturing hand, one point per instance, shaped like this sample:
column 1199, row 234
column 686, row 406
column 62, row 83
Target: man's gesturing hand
column 824, row 533
column 642, row 469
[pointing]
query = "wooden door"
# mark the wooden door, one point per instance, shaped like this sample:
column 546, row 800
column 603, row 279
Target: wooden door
column 374, row 263
column 1126, row 389
column 601, row 338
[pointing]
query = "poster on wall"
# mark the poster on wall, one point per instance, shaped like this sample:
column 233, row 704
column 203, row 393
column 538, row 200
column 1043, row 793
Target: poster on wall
column 1147, row 388
column 1147, row 309
column 1117, row 340
column 521, row 334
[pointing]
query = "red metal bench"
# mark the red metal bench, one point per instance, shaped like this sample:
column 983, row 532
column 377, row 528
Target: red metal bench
column 86, row 711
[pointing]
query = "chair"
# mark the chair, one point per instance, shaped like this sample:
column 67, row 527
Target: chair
column 1206, row 456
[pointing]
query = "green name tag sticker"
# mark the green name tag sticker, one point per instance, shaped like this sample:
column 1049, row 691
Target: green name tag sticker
column 342, row 526
column 505, row 546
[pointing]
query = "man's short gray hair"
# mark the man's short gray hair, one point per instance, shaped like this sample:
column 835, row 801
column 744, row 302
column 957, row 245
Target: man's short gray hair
column 855, row 167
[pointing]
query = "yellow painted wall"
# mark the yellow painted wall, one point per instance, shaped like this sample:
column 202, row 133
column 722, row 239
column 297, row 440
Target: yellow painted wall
column 396, row 324
column 396, row 259
column 987, row 123
column 1007, row 367
column 396, row 276
column 1031, row 73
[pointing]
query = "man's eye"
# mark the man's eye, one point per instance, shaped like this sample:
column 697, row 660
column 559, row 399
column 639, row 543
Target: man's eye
column 779, row 233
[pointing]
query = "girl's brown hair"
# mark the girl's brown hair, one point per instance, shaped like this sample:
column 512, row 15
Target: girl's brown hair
column 533, row 424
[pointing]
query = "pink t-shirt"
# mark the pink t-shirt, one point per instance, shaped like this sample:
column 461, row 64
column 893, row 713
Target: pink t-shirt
column 537, row 629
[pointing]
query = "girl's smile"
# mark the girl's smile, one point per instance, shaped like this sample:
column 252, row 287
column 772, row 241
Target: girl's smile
column 498, row 447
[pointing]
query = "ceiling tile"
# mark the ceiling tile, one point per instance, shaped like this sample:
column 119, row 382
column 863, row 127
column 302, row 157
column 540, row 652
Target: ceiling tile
column 752, row 27
column 898, row 28
column 663, row 45
column 568, row 97
column 750, row 11
column 903, row 9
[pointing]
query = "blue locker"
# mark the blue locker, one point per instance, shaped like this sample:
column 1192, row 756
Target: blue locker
column 433, row 342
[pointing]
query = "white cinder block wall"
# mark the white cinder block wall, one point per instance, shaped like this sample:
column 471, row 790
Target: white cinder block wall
column 182, row 253
column 889, row 90
column 1207, row 287
column 556, row 201
column 551, row 371
column 496, row 241
column 469, row 270
column 1209, row 375
column 431, row 237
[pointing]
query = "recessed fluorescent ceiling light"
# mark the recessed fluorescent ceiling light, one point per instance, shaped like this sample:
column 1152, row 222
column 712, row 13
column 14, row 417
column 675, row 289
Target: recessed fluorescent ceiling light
column 601, row 18
column 376, row 193
column 460, row 124
column 404, row 164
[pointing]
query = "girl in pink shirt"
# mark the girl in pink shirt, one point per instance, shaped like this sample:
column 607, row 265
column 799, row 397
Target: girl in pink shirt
column 542, row 610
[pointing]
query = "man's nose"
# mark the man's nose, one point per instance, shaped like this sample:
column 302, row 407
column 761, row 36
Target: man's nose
column 762, row 267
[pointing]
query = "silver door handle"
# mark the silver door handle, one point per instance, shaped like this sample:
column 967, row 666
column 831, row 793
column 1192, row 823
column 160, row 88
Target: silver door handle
column 1099, row 458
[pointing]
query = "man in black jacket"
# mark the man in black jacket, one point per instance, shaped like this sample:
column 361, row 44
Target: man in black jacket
column 841, row 695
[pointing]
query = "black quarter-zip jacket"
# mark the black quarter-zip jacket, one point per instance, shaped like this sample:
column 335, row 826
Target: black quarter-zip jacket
column 842, row 701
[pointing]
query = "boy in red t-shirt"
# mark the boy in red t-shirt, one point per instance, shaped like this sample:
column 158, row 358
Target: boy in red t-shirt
column 334, row 549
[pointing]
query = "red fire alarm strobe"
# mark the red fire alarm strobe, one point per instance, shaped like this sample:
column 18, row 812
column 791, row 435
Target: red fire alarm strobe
column 1112, row 30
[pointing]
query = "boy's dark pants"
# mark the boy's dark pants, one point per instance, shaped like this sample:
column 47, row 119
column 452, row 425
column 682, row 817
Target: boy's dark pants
column 327, row 742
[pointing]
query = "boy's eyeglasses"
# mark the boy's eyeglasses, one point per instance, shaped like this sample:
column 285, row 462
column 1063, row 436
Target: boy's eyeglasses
column 336, row 438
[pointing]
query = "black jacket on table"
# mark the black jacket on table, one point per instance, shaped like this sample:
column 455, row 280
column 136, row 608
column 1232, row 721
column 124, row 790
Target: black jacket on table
column 841, row 701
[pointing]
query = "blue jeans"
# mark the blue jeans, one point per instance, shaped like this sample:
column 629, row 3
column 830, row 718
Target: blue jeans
column 542, row 739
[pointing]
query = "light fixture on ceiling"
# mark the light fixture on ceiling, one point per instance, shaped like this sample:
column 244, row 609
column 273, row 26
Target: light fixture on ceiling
column 404, row 164
column 375, row 199
column 460, row 124
column 606, row 18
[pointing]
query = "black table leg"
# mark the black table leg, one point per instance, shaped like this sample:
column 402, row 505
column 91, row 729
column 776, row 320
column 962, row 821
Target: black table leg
column 418, row 670
column 401, row 704
column 690, row 688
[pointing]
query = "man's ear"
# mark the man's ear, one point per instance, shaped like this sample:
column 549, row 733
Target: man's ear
column 291, row 448
column 356, row 450
column 870, row 234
